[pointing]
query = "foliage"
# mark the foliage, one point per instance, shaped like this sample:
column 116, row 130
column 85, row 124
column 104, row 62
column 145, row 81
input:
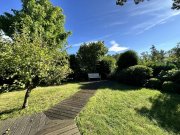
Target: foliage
column 40, row 17
column 158, row 67
column 175, row 5
column 127, row 59
column 89, row 54
column 168, row 86
column 135, row 75
column 174, row 56
column 32, row 60
column 106, row 66
column 154, row 83
column 170, row 75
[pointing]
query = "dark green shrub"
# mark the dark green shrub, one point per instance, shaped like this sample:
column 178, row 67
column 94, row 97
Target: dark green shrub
column 106, row 66
column 127, row 59
column 135, row 75
column 157, row 68
column 170, row 75
column 153, row 83
column 169, row 86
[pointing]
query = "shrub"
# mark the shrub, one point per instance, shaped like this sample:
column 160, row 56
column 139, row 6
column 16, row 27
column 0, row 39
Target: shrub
column 170, row 75
column 135, row 75
column 157, row 68
column 106, row 66
column 169, row 86
column 153, row 83
column 127, row 59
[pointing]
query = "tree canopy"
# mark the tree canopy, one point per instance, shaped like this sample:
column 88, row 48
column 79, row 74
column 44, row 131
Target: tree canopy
column 175, row 5
column 39, row 16
column 89, row 54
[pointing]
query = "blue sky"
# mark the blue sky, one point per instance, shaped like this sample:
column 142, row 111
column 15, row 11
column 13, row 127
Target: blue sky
column 132, row 26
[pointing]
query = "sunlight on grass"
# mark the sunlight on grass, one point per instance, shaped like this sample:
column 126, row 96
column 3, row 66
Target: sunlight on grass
column 40, row 99
column 122, row 110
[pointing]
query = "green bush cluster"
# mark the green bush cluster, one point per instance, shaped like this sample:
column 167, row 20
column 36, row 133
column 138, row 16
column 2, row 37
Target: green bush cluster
column 135, row 75
column 153, row 83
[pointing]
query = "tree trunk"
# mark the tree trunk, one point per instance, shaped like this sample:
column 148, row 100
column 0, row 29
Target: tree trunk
column 28, row 91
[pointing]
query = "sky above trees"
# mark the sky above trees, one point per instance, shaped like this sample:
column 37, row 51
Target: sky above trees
column 132, row 26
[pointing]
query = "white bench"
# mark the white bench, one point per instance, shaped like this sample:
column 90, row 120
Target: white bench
column 94, row 76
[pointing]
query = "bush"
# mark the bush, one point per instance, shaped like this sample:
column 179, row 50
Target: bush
column 135, row 75
column 169, row 86
column 106, row 66
column 170, row 75
column 153, row 83
column 127, row 59
column 157, row 68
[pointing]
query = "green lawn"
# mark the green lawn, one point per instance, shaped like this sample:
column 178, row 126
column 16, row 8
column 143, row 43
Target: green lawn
column 40, row 99
column 123, row 110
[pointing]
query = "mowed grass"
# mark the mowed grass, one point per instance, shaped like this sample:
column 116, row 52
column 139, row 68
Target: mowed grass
column 40, row 99
column 123, row 110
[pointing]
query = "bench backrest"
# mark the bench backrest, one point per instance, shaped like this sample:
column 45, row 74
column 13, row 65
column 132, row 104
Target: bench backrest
column 93, row 75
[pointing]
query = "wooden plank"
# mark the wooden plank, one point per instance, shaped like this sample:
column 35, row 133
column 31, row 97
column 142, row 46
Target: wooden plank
column 35, row 125
column 22, row 125
column 49, row 128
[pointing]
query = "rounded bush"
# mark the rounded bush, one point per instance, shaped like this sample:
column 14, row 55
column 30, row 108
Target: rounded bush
column 127, row 59
column 135, row 75
column 153, row 83
column 168, row 86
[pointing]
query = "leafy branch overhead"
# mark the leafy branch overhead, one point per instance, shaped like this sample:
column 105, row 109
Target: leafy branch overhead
column 175, row 5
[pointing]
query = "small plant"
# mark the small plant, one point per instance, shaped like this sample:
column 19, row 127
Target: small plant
column 168, row 86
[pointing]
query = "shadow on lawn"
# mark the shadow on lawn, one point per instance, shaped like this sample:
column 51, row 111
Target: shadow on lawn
column 107, row 84
column 165, row 110
column 9, row 112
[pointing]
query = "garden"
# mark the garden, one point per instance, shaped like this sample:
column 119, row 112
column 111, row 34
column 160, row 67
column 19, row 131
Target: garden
column 139, row 93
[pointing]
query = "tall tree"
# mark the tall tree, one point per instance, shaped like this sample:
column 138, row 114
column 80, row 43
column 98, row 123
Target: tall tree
column 175, row 5
column 89, row 54
column 31, row 60
column 39, row 16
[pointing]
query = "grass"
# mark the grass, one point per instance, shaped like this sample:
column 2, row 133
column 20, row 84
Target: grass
column 40, row 99
column 123, row 110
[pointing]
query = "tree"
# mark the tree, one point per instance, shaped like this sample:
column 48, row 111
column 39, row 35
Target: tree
column 175, row 5
column 106, row 66
column 32, row 60
column 39, row 16
column 89, row 54
column 127, row 59
column 174, row 55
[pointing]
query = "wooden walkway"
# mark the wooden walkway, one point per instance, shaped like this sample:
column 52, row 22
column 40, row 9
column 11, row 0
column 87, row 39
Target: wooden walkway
column 58, row 120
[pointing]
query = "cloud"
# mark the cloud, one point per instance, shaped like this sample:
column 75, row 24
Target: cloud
column 155, row 15
column 115, row 47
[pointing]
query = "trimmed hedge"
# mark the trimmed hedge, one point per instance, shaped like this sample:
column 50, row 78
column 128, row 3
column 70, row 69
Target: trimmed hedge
column 135, row 75
column 127, row 59
column 170, row 86
column 153, row 83
column 157, row 68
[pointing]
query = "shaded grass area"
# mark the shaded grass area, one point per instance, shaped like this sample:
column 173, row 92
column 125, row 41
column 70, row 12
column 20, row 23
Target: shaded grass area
column 118, row 109
column 40, row 99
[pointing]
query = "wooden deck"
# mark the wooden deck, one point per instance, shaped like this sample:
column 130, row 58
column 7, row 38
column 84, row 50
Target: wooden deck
column 58, row 120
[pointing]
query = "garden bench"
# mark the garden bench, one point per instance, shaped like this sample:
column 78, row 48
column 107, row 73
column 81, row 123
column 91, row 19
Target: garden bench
column 94, row 76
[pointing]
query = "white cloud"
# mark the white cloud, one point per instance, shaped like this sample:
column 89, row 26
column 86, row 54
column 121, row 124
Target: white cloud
column 155, row 15
column 115, row 47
